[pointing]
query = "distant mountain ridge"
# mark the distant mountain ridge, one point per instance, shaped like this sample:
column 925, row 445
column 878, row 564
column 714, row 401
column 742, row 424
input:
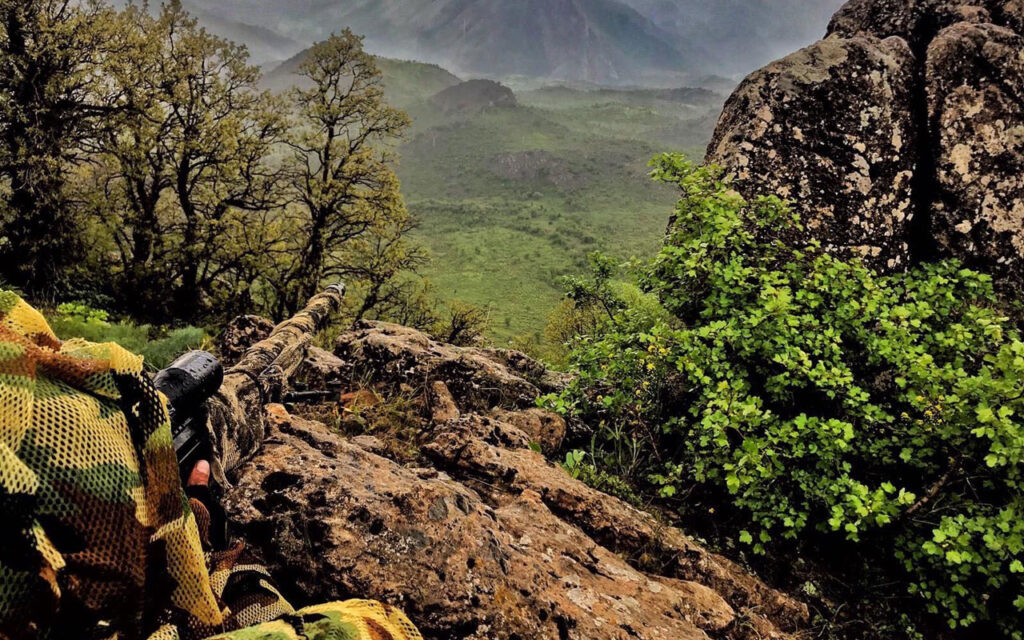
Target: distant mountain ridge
column 597, row 41
column 604, row 42
column 743, row 34
column 405, row 82
column 264, row 44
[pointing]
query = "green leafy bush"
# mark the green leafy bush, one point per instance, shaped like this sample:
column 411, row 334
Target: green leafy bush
column 577, row 466
column 818, row 399
column 158, row 346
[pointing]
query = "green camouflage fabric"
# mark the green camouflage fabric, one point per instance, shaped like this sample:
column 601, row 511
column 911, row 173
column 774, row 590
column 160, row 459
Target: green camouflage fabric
column 97, row 538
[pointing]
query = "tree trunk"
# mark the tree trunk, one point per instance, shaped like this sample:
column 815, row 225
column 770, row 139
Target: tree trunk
column 236, row 412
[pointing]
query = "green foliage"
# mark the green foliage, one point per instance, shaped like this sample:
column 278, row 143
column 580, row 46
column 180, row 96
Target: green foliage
column 141, row 161
column 179, row 184
column 587, row 306
column 824, row 402
column 577, row 465
column 158, row 346
column 52, row 101
column 347, row 212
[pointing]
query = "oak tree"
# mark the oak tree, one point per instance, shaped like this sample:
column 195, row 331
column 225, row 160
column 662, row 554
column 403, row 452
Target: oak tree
column 188, row 178
column 342, row 182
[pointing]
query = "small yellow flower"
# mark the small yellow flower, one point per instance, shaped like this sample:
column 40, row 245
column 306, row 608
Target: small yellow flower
column 650, row 366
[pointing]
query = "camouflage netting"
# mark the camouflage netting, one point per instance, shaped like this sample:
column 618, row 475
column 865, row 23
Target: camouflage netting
column 97, row 537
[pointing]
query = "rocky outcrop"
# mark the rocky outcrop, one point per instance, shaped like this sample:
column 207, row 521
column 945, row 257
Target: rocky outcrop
column 831, row 128
column 918, row 21
column 975, row 83
column 900, row 136
column 240, row 334
column 481, row 537
column 544, row 428
column 479, row 379
column 319, row 369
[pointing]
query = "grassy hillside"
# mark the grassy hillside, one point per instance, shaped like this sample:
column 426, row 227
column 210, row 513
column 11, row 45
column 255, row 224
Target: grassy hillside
column 513, row 198
column 407, row 82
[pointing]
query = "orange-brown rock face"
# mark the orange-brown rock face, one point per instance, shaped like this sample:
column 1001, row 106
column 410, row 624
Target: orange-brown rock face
column 483, row 537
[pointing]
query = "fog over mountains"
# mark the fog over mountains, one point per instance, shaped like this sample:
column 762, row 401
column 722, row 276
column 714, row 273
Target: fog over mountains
column 741, row 35
column 621, row 42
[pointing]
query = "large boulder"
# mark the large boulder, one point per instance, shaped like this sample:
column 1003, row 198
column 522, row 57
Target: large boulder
column 919, row 21
column 975, row 82
column 899, row 136
column 916, row 21
column 831, row 128
column 489, row 542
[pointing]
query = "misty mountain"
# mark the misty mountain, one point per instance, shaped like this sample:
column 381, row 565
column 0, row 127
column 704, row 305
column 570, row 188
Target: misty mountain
column 265, row 45
column 742, row 34
column 405, row 82
column 651, row 42
column 599, row 41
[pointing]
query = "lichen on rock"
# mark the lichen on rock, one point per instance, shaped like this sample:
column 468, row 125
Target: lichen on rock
column 830, row 128
column 899, row 137
column 481, row 537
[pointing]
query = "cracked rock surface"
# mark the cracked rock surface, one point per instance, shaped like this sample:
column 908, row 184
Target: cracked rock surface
column 482, row 537
column 900, row 136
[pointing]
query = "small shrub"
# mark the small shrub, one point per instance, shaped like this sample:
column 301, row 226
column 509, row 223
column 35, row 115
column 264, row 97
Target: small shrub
column 159, row 347
column 579, row 464
column 824, row 403
column 465, row 324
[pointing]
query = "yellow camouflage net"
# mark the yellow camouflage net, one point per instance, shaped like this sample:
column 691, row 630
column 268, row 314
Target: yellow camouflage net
column 97, row 538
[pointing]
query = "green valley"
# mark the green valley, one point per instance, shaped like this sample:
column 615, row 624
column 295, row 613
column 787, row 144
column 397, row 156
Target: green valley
column 512, row 195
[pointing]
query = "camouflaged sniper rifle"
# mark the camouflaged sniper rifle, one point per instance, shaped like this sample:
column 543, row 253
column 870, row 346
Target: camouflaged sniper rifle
column 205, row 399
